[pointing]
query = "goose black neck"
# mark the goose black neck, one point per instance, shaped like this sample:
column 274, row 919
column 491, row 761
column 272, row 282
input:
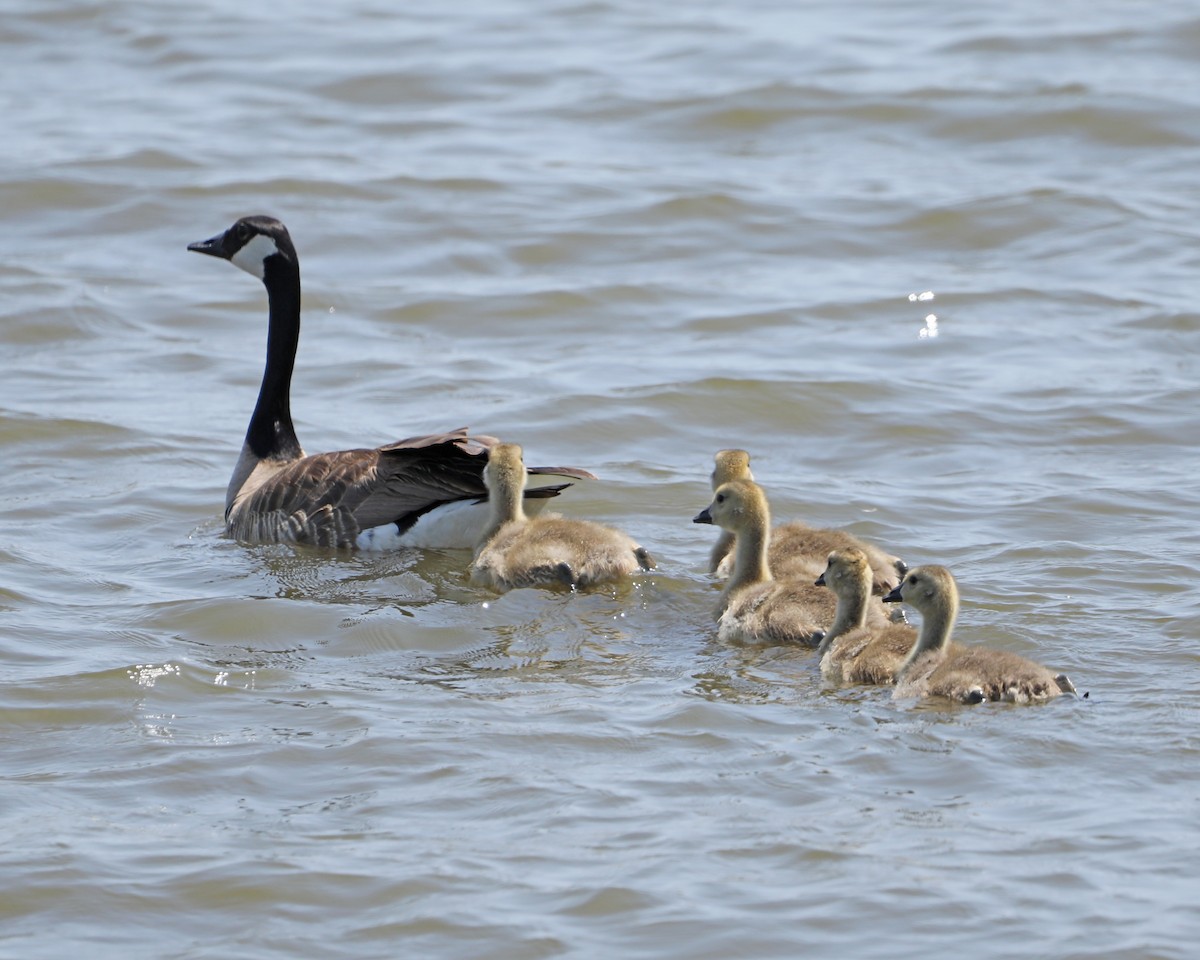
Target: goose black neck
column 271, row 434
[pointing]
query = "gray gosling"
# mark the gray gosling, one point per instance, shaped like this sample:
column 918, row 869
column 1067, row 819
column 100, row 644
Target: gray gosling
column 937, row 667
column 855, row 650
column 754, row 607
column 796, row 549
column 520, row 551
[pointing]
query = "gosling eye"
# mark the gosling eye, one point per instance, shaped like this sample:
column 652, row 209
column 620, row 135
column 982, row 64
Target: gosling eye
column 720, row 498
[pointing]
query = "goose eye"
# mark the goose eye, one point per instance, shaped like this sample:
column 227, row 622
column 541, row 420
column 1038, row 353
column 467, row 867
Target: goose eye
column 720, row 498
column 242, row 232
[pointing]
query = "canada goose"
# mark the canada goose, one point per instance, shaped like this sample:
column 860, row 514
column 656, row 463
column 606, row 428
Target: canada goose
column 854, row 650
column 937, row 667
column 796, row 549
column 415, row 492
column 755, row 607
column 516, row 551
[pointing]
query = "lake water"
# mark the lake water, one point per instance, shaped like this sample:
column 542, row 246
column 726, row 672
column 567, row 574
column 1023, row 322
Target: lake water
column 624, row 235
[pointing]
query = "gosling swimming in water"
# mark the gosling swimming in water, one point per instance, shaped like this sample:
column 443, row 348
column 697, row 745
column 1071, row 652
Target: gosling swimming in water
column 796, row 549
column 938, row 667
column 519, row 551
column 754, row 606
column 853, row 650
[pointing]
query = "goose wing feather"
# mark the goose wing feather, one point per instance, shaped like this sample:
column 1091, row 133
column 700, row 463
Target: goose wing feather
column 327, row 499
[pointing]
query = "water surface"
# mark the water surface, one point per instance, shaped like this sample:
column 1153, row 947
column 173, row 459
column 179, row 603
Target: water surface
column 625, row 237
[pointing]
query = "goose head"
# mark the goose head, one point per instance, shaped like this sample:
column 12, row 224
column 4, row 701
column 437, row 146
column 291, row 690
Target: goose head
column 730, row 465
column 255, row 244
column 930, row 589
column 847, row 573
column 736, row 506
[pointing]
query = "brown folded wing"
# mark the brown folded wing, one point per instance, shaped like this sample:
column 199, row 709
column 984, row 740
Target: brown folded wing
column 327, row 499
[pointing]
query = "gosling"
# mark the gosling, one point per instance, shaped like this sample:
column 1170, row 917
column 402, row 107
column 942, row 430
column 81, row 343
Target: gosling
column 853, row 650
column 796, row 549
column 754, row 607
column 937, row 667
column 519, row 551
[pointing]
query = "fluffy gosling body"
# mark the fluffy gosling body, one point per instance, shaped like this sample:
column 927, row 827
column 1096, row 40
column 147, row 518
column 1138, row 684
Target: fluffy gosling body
column 754, row 606
column 520, row 551
column 861, row 646
column 937, row 667
column 796, row 549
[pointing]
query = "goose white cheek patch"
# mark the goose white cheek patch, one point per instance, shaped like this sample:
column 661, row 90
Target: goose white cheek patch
column 250, row 258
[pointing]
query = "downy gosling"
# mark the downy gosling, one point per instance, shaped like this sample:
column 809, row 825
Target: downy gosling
column 520, row 551
column 938, row 667
column 796, row 549
column 754, row 606
column 853, row 649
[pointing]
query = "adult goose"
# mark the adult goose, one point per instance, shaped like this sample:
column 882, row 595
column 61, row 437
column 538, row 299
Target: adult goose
column 421, row 491
column 796, row 549
column 521, row 551
column 938, row 667
column 754, row 606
